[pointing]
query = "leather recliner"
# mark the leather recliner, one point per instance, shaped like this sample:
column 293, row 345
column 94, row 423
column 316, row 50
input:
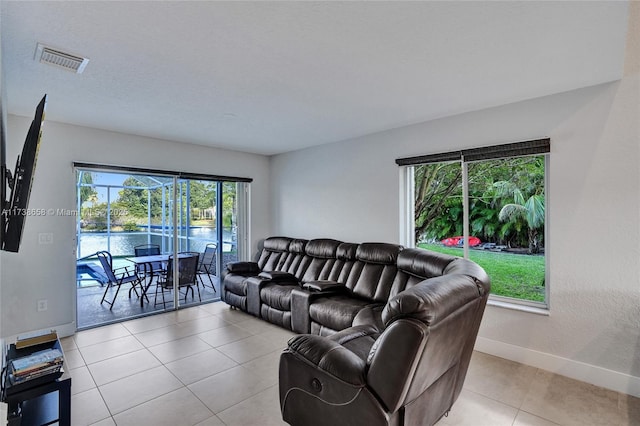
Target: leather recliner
column 407, row 370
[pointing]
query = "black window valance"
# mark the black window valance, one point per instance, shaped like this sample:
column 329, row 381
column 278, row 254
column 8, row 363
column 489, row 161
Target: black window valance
column 143, row 171
column 516, row 149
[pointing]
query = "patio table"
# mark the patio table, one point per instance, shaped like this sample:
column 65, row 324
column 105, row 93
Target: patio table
column 146, row 262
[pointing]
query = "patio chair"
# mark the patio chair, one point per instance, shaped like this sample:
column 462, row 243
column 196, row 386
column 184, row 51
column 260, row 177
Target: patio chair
column 148, row 250
column 117, row 277
column 187, row 277
column 207, row 265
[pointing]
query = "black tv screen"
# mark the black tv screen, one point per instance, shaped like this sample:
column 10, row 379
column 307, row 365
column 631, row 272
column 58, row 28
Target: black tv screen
column 16, row 210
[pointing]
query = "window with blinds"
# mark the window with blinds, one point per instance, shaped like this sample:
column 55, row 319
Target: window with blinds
column 487, row 204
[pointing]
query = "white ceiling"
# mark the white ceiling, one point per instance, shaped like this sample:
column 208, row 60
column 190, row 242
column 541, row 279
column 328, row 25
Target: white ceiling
column 270, row 77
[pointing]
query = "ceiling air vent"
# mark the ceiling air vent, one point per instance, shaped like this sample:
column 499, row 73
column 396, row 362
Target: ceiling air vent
column 68, row 61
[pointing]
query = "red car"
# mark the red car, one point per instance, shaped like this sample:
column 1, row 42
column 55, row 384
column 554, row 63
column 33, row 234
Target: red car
column 459, row 241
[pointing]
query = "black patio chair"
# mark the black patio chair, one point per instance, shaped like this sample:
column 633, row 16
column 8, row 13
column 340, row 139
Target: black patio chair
column 148, row 250
column 117, row 277
column 207, row 265
column 187, row 277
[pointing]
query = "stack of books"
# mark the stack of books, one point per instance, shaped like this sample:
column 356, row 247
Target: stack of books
column 35, row 365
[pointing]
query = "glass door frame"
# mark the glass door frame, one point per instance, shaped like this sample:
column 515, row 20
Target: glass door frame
column 241, row 205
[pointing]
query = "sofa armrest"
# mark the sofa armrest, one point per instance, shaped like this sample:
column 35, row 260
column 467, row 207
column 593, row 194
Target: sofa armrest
column 254, row 284
column 323, row 286
column 370, row 315
column 331, row 357
column 278, row 276
column 237, row 267
column 393, row 360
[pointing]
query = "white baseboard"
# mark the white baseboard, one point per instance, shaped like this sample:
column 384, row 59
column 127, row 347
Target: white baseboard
column 595, row 375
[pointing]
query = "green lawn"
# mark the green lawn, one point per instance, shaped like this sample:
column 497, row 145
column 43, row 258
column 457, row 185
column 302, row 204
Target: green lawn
column 512, row 275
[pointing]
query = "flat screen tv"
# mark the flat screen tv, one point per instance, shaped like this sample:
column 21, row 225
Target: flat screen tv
column 15, row 209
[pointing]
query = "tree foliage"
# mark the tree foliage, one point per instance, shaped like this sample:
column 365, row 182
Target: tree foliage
column 135, row 198
column 493, row 185
column 87, row 193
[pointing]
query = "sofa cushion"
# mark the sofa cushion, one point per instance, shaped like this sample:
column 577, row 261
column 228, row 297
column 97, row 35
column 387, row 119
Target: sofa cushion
column 238, row 301
column 422, row 263
column 297, row 246
column 278, row 296
column 293, row 261
column 236, row 284
column 324, row 248
column 358, row 339
column 347, row 251
column 336, row 312
column 274, row 249
column 277, row 243
column 372, row 274
column 276, row 316
column 383, row 253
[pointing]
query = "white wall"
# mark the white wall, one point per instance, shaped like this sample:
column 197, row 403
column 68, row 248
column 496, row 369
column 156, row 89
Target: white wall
column 350, row 191
column 48, row 271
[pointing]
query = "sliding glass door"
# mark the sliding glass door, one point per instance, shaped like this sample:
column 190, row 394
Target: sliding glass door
column 130, row 215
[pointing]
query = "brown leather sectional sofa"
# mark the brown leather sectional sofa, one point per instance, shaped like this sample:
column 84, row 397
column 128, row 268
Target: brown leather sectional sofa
column 387, row 332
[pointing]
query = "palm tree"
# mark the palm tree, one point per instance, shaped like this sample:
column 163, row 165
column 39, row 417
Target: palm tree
column 530, row 210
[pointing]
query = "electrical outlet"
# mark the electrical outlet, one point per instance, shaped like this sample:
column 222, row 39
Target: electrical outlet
column 42, row 305
column 45, row 238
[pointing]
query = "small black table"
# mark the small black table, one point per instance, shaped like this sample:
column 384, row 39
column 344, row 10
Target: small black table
column 39, row 402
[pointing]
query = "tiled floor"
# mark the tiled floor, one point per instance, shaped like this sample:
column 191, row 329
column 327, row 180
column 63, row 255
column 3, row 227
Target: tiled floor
column 209, row 365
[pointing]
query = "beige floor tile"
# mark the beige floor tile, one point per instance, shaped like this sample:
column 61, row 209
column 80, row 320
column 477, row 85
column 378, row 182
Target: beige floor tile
column 629, row 407
column 121, row 366
column 203, row 324
column 228, row 388
column 260, row 409
column 279, row 335
column 267, row 330
column 152, row 322
column 500, row 379
column 68, row 343
column 162, row 335
column 73, row 359
column 233, row 315
column 189, row 314
column 215, row 307
column 256, row 326
column 100, row 334
column 222, row 336
column 570, row 402
column 266, row 366
column 525, row 419
column 110, row 349
column 138, row 388
column 179, row 407
column 81, row 380
column 477, row 410
column 87, row 408
column 249, row 348
column 200, row 366
column 181, row 348
column 238, row 379
column 106, row 422
column 211, row 421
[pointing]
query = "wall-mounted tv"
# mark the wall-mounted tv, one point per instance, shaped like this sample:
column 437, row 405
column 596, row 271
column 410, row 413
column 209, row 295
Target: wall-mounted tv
column 15, row 208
